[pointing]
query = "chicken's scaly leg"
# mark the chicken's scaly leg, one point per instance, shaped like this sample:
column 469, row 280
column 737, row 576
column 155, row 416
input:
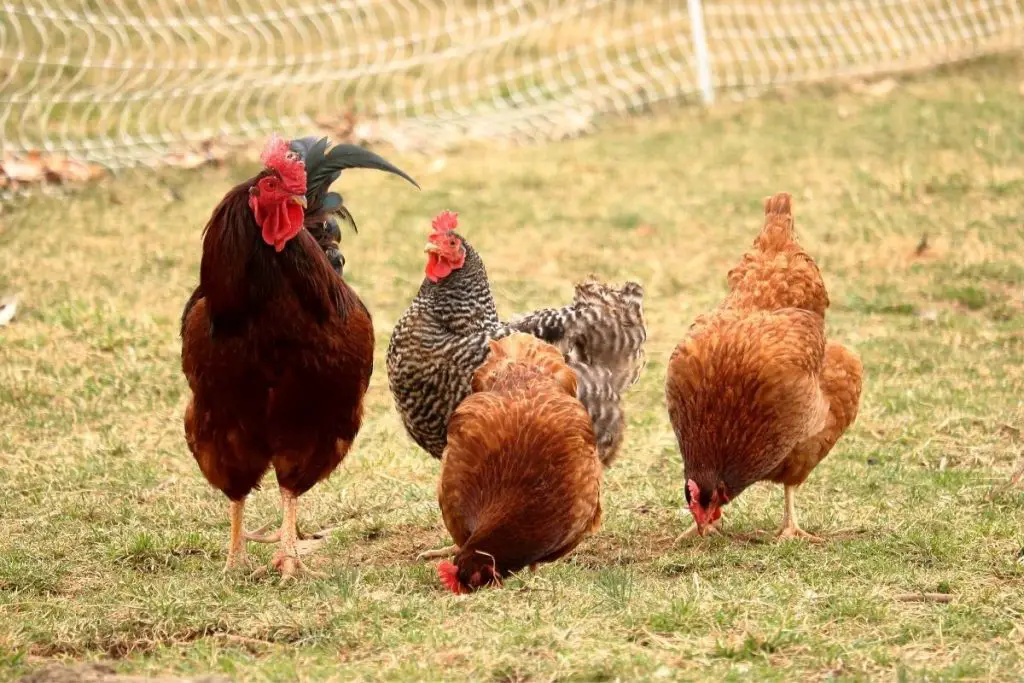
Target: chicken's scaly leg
column 790, row 528
column 286, row 559
column 712, row 529
column 446, row 551
column 236, row 546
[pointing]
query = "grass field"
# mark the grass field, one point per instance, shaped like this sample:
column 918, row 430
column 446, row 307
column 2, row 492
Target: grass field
column 113, row 544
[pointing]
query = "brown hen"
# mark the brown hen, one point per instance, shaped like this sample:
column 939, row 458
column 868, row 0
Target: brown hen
column 755, row 392
column 520, row 476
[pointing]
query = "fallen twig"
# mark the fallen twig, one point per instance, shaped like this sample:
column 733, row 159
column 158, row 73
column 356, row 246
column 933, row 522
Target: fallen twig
column 923, row 597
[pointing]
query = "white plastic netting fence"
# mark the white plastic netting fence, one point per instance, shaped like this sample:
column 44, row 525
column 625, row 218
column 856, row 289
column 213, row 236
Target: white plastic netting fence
column 123, row 82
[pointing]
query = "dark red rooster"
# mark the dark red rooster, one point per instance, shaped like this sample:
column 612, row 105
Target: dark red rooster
column 277, row 349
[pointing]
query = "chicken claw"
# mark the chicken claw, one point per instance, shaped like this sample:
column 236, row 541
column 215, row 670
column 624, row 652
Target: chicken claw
column 237, row 561
column 446, row 551
column 795, row 532
column 790, row 528
column 291, row 567
column 712, row 530
column 261, row 535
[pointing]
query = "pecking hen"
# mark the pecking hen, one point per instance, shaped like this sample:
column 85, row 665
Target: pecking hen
column 520, row 477
column 755, row 392
column 442, row 338
column 277, row 349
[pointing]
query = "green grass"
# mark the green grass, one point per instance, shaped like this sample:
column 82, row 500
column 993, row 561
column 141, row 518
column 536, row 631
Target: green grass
column 112, row 542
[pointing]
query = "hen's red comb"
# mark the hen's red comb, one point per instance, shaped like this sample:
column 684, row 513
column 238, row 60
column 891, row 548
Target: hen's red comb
column 449, row 574
column 446, row 221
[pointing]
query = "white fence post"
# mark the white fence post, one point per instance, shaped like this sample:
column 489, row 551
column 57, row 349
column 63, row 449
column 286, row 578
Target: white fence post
column 700, row 46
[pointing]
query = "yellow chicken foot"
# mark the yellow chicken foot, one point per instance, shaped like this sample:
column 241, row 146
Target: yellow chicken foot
column 446, row 551
column 237, row 557
column 790, row 528
column 712, row 529
column 286, row 559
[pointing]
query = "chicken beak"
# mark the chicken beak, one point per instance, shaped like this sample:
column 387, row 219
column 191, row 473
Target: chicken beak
column 431, row 248
column 298, row 199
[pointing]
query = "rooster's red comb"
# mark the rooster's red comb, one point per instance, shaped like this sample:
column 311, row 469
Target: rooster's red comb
column 275, row 152
column 278, row 156
column 446, row 221
column 449, row 574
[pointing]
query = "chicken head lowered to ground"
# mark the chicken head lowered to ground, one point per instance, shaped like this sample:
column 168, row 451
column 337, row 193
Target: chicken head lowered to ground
column 755, row 392
column 520, row 477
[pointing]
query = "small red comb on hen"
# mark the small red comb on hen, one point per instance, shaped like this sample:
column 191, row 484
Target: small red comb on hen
column 446, row 221
column 449, row 574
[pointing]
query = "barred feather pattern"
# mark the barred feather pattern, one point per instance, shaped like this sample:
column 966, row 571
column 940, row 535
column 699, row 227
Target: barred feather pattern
column 437, row 345
column 442, row 338
column 602, row 335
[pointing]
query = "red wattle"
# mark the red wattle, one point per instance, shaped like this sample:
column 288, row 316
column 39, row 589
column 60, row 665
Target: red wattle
column 280, row 222
column 437, row 269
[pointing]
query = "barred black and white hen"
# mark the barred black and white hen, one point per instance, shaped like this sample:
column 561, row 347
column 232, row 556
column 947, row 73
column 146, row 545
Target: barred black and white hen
column 442, row 339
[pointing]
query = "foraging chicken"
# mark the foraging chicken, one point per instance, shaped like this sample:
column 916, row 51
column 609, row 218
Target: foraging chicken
column 755, row 392
column 277, row 349
column 520, row 477
column 443, row 337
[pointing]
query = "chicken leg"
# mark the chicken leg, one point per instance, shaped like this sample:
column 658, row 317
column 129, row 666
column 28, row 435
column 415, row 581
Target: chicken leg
column 446, row 551
column 712, row 529
column 790, row 528
column 237, row 555
column 286, row 559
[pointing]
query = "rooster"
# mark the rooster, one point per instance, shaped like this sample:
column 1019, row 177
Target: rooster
column 442, row 339
column 520, row 477
column 755, row 392
column 277, row 349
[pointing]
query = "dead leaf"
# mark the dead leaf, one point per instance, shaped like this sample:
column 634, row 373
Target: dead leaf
column 60, row 169
column 876, row 89
column 23, row 171
column 8, row 307
column 924, row 597
column 186, row 160
column 922, row 246
column 1010, row 431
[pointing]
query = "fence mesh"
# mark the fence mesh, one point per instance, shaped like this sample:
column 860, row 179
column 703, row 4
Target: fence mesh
column 125, row 82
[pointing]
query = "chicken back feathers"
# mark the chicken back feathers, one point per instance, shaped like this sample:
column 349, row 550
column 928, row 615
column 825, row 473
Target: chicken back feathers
column 777, row 273
column 602, row 334
column 520, row 479
column 755, row 392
